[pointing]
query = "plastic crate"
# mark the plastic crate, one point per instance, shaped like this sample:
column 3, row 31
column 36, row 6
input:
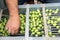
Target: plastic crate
column 37, row 16
column 3, row 32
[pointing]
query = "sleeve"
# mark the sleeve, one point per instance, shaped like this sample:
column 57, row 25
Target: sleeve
column 2, row 4
column 20, row 2
column 52, row 1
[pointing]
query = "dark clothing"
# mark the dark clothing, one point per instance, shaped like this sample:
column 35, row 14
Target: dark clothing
column 52, row 1
column 2, row 4
column 20, row 2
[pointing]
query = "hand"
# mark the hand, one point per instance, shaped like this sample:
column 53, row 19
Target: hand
column 13, row 24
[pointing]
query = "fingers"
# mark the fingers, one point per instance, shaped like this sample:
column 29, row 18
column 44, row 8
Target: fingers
column 12, row 30
column 15, row 31
column 6, row 27
column 9, row 30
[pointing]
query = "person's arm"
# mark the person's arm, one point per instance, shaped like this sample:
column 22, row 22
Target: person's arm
column 13, row 23
column 12, row 7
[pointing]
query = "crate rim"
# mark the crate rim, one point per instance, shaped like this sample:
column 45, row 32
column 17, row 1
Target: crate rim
column 39, row 5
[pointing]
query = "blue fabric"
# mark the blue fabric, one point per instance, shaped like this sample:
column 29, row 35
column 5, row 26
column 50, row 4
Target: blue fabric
column 53, row 1
column 20, row 2
column 50, row 1
column 2, row 4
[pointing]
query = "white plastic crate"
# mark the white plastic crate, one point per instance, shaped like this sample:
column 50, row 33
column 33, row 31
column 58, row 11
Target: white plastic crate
column 41, row 7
